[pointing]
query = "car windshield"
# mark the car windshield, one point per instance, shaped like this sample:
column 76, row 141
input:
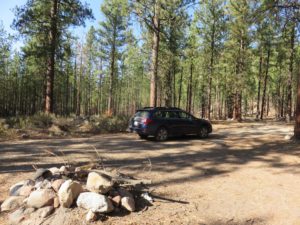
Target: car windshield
column 142, row 114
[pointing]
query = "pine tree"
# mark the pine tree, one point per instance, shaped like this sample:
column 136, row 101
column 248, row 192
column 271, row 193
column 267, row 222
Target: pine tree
column 112, row 36
column 47, row 21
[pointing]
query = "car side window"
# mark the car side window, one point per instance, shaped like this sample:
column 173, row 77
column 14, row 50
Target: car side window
column 160, row 115
column 172, row 115
column 183, row 115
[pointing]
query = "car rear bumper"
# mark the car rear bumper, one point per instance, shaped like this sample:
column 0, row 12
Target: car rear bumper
column 144, row 131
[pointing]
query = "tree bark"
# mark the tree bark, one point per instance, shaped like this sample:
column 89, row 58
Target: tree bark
column 212, row 49
column 190, row 90
column 180, row 87
column 155, row 49
column 51, row 59
column 290, row 78
column 297, row 119
column 110, row 103
column 263, row 101
column 259, row 83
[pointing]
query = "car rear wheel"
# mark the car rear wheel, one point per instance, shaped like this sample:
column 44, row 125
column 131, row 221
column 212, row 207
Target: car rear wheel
column 161, row 134
column 203, row 133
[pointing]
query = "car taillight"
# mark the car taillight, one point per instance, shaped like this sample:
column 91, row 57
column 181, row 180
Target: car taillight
column 147, row 121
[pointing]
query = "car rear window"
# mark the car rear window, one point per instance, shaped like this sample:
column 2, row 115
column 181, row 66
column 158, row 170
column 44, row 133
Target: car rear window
column 142, row 114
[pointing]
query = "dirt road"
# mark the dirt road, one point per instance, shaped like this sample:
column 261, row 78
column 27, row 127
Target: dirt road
column 244, row 173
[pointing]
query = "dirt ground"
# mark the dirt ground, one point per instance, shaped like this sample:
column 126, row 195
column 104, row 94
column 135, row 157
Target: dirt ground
column 244, row 173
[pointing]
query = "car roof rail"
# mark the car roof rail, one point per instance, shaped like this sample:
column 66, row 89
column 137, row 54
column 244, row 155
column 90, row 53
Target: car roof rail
column 162, row 108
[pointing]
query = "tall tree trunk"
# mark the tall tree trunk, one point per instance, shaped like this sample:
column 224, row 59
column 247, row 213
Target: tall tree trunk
column 297, row 119
column 51, row 59
column 290, row 78
column 154, row 63
column 239, row 74
column 79, row 80
column 190, row 89
column 110, row 103
column 259, row 83
column 180, row 87
column 168, row 89
column 263, row 101
column 212, row 49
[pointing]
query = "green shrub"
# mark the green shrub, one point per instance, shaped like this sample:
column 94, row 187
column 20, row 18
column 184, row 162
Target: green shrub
column 42, row 120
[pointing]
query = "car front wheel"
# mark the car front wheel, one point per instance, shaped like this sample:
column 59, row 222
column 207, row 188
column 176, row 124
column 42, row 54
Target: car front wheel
column 161, row 134
column 203, row 133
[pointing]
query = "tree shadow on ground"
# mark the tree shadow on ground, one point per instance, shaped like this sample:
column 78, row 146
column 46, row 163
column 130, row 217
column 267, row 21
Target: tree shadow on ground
column 224, row 152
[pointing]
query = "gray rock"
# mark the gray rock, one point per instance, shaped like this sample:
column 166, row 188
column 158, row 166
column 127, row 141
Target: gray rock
column 57, row 184
column 42, row 174
column 29, row 211
column 11, row 203
column 68, row 192
column 54, row 170
column 41, row 198
column 45, row 211
column 25, row 190
column 91, row 216
column 14, row 190
column 19, row 215
column 44, row 184
column 128, row 203
column 124, row 193
column 63, row 170
column 100, row 183
column 95, row 202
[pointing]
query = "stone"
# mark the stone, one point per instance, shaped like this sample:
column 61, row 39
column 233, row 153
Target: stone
column 68, row 192
column 116, row 200
column 128, row 203
column 12, row 203
column 91, row 216
column 29, row 211
column 19, row 215
column 77, row 169
column 57, row 184
column 42, row 174
column 63, row 170
column 95, row 202
column 45, row 184
column 16, row 217
column 124, row 193
column 147, row 197
column 45, row 211
column 56, row 203
column 14, row 190
column 25, row 190
column 100, row 183
column 41, row 198
column 288, row 137
column 54, row 170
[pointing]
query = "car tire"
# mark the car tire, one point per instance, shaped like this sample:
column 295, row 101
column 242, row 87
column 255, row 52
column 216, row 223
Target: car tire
column 203, row 132
column 143, row 136
column 161, row 134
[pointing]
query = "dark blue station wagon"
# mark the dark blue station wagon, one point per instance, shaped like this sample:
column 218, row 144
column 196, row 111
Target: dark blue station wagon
column 163, row 122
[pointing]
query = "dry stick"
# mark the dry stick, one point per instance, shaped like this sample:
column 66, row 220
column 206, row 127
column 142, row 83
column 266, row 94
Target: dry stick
column 34, row 167
column 99, row 157
column 57, row 156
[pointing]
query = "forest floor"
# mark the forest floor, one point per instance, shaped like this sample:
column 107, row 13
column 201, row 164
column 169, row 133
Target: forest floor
column 244, row 173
